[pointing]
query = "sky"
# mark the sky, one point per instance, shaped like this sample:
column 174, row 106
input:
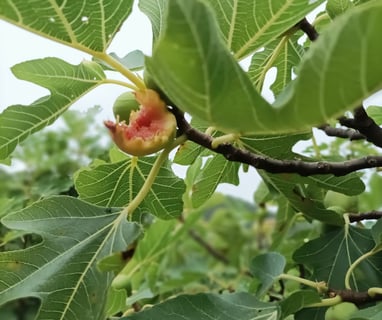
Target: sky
column 20, row 45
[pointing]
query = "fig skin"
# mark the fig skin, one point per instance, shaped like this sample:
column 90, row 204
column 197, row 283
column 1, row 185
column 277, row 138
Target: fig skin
column 149, row 129
column 341, row 311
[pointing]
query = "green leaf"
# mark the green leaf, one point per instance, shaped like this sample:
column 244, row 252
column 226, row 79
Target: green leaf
column 375, row 112
column 298, row 300
column 292, row 186
column 216, row 170
column 310, row 313
column 209, row 307
column 283, row 54
column 340, row 69
column 331, row 254
column 276, row 145
column 158, row 239
column 337, row 7
column 155, row 11
column 134, row 60
column 266, row 268
column 117, row 184
column 85, row 25
column 211, row 85
column 66, row 83
column 249, row 25
column 61, row 270
column 376, row 231
column 371, row 199
column 371, row 313
column 116, row 301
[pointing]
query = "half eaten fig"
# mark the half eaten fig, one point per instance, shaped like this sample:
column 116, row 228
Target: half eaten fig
column 149, row 130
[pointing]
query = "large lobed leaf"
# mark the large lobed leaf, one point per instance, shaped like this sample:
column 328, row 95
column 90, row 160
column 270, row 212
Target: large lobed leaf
column 62, row 270
column 204, row 306
column 66, row 83
column 86, row 25
column 331, row 254
column 341, row 69
column 283, row 54
column 198, row 73
column 117, row 184
column 301, row 192
column 194, row 67
column 155, row 11
column 249, row 25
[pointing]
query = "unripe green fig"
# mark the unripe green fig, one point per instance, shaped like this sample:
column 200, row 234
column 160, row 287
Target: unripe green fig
column 342, row 202
column 123, row 106
column 341, row 311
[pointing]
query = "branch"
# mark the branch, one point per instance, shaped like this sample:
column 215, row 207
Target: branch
column 212, row 251
column 354, row 217
column 341, row 133
column 303, row 168
column 308, row 29
column 365, row 125
column 355, row 297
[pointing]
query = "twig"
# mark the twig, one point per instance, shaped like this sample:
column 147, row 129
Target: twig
column 309, row 30
column 355, row 297
column 303, row 168
column 216, row 254
column 365, row 125
column 354, row 217
column 341, row 133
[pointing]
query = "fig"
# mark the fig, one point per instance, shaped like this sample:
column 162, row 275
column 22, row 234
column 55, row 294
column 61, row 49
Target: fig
column 123, row 106
column 149, row 129
column 341, row 201
column 341, row 311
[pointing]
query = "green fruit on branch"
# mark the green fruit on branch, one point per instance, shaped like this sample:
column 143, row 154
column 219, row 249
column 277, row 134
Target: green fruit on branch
column 123, row 106
column 345, row 203
column 148, row 130
column 341, row 311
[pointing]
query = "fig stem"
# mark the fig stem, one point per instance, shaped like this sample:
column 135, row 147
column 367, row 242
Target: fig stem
column 372, row 292
column 137, row 81
column 357, row 262
column 129, row 210
column 326, row 302
column 227, row 138
column 120, row 83
column 319, row 286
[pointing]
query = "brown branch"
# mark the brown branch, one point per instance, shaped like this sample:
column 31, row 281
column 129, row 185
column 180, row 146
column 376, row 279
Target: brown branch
column 350, row 134
column 355, row 297
column 365, row 125
column 354, row 217
column 308, row 29
column 303, row 168
column 212, row 251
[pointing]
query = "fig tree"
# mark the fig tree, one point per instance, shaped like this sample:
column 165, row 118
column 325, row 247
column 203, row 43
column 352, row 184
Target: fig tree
column 149, row 129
